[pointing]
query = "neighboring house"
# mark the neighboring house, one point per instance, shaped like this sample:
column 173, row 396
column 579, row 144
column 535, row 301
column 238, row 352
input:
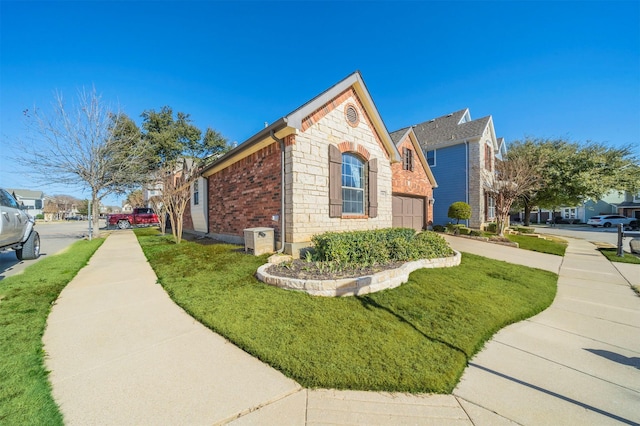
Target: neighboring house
column 460, row 151
column 330, row 165
column 579, row 214
column 32, row 200
column 630, row 207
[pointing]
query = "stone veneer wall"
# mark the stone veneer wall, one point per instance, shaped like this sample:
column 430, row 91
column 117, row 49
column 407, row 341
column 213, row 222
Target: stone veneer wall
column 476, row 194
column 307, row 172
column 246, row 195
column 414, row 182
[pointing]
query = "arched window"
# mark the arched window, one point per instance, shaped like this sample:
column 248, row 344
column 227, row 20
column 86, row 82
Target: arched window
column 353, row 184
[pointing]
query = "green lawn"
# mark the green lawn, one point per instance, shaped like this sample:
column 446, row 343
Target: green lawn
column 415, row 338
column 555, row 246
column 612, row 255
column 25, row 303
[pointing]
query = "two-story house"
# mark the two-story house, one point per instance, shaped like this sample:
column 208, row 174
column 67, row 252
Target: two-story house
column 33, row 201
column 459, row 151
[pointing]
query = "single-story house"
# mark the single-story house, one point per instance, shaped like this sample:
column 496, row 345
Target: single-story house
column 330, row 165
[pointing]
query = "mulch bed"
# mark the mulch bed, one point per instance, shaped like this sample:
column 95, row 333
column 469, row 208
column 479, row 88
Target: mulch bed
column 301, row 269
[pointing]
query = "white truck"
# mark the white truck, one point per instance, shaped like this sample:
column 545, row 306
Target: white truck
column 16, row 229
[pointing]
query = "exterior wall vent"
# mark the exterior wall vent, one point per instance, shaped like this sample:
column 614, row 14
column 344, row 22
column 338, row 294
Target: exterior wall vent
column 351, row 113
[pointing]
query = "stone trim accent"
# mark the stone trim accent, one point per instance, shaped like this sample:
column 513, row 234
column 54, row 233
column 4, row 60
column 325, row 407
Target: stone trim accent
column 358, row 286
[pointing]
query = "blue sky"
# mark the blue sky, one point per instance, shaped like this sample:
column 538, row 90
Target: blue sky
column 544, row 69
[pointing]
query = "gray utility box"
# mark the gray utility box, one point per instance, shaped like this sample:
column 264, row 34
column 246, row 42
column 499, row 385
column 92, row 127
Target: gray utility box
column 258, row 240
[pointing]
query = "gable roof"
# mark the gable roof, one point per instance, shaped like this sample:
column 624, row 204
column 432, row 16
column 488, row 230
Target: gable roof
column 26, row 194
column 452, row 129
column 292, row 123
column 399, row 136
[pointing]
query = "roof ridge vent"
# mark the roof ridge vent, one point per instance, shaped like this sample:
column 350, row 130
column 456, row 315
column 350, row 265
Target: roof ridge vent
column 450, row 115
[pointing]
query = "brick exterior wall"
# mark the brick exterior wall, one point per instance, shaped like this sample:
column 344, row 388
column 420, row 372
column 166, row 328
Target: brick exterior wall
column 416, row 182
column 187, row 219
column 246, row 194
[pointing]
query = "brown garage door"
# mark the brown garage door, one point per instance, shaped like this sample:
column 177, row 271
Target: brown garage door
column 408, row 212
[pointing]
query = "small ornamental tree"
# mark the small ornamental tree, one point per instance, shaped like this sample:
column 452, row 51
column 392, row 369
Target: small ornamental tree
column 459, row 210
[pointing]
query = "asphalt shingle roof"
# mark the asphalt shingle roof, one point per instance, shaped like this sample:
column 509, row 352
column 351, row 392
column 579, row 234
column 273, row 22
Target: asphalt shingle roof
column 446, row 128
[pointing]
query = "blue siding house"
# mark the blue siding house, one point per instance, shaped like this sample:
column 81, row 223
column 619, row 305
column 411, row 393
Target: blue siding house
column 460, row 151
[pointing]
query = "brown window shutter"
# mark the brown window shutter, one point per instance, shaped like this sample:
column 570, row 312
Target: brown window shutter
column 373, row 187
column 335, row 181
column 404, row 158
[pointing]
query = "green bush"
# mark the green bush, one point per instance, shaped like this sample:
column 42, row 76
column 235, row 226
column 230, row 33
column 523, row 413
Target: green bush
column 459, row 210
column 40, row 216
column 475, row 233
column 464, row 231
column 365, row 248
column 452, row 227
column 438, row 228
column 491, row 227
column 524, row 230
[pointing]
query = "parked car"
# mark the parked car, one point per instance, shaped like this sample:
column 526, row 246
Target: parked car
column 74, row 218
column 609, row 220
column 16, row 229
column 139, row 217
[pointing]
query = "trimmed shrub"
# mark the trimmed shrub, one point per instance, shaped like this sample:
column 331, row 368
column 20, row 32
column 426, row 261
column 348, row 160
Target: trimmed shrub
column 438, row 228
column 464, row 231
column 524, row 230
column 459, row 210
column 491, row 227
column 476, row 233
column 455, row 228
column 365, row 248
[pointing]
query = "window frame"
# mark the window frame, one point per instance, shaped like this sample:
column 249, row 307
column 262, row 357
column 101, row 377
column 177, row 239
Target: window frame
column 434, row 158
column 196, row 193
column 349, row 202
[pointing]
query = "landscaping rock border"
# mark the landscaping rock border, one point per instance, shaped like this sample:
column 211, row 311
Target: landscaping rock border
column 358, row 286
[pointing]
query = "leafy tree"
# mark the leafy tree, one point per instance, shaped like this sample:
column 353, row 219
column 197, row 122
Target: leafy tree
column 180, row 151
column 572, row 173
column 85, row 145
column 135, row 198
column 459, row 210
column 83, row 207
column 514, row 176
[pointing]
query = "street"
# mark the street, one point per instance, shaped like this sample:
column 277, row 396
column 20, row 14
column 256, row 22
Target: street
column 54, row 237
column 589, row 233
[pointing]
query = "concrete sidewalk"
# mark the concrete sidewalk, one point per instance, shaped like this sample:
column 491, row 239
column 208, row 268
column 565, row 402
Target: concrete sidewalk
column 122, row 353
column 578, row 362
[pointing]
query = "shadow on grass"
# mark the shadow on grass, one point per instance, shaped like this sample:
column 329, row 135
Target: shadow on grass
column 368, row 303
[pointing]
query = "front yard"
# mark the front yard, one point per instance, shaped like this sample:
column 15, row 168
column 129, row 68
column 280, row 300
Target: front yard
column 416, row 338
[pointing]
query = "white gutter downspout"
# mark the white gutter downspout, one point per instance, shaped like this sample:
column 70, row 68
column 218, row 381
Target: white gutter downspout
column 282, row 191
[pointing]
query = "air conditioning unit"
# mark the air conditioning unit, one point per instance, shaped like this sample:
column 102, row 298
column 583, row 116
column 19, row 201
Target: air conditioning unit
column 258, row 240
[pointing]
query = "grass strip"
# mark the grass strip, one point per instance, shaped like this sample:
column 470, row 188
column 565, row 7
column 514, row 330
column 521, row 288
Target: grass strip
column 25, row 303
column 415, row 338
column 612, row 255
column 554, row 246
